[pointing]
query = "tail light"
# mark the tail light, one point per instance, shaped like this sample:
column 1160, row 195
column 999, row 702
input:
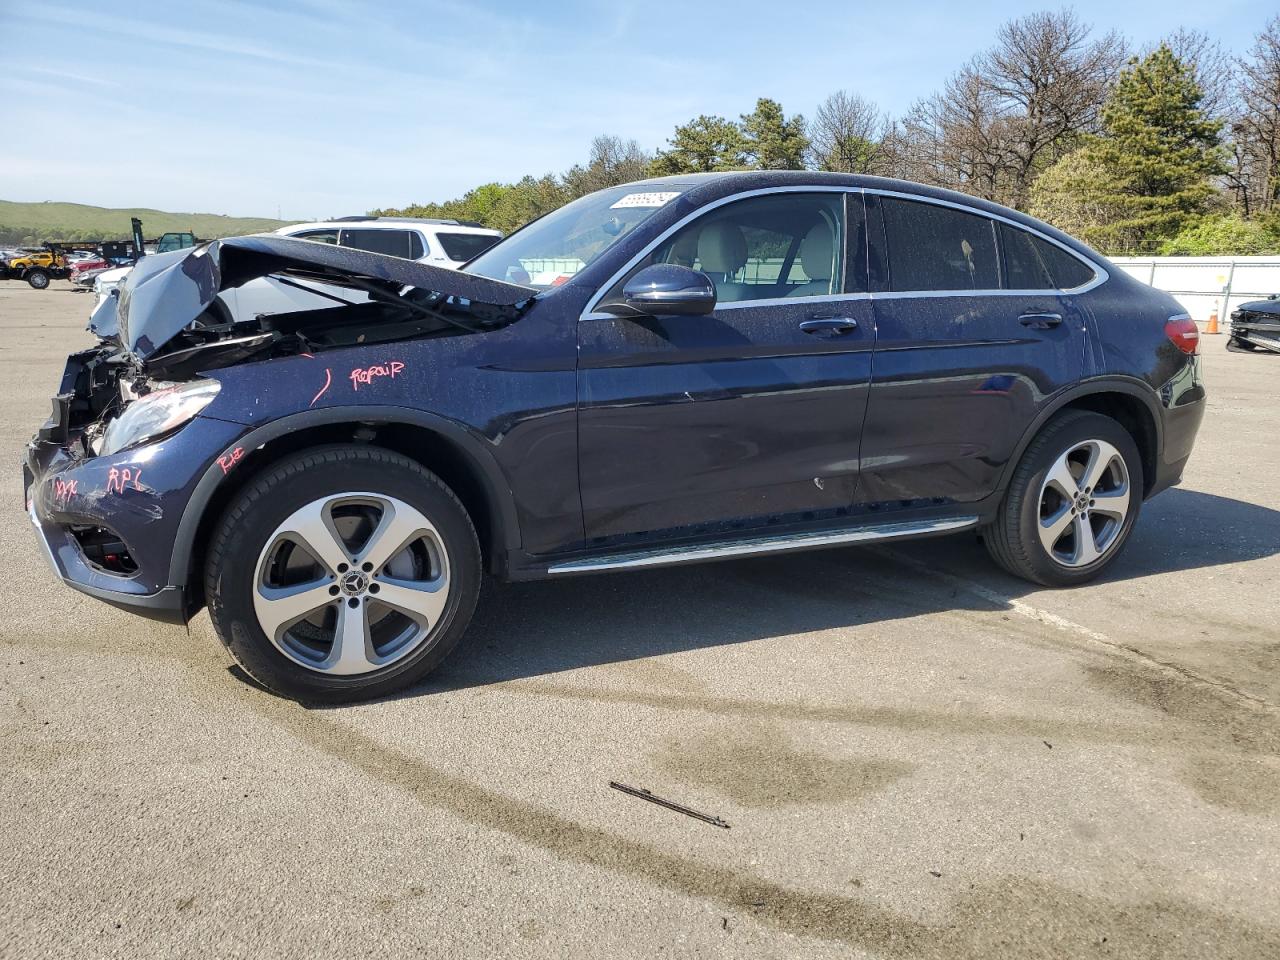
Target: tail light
column 1183, row 334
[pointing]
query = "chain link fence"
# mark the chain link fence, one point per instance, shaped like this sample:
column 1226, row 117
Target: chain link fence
column 1207, row 284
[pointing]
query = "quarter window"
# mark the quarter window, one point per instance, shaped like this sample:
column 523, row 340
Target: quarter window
column 1031, row 263
column 460, row 247
column 393, row 243
column 932, row 247
column 762, row 248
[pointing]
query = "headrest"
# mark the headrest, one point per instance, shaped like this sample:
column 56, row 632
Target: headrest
column 722, row 248
column 817, row 253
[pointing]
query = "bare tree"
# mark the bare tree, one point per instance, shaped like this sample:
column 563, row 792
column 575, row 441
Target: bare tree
column 848, row 135
column 956, row 138
column 612, row 161
column 1051, row 81
column 1255, row 133
column 1212, row 68
column 1011, row 112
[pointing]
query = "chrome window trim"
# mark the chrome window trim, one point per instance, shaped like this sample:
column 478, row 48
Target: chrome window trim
column 588, row 310
column 1100, row 274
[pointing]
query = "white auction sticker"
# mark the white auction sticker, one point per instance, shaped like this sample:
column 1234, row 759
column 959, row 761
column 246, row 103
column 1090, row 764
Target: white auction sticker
column 645, row 200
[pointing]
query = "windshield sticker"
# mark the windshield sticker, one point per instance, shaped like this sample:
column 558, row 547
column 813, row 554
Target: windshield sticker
column 645, row 199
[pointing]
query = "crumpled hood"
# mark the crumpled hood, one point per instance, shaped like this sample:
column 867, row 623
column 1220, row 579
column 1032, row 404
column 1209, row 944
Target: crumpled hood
column 1261, row 306
column 165, row 292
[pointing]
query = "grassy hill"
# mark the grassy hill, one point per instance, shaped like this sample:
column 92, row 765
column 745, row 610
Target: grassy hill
column 31, row 223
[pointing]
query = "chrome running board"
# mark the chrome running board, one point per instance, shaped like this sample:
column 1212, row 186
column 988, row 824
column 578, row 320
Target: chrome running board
column 758, row 545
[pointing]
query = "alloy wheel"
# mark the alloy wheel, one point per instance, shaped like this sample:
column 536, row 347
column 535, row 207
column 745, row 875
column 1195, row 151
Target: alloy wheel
column 351, row 583
column 1084, row 501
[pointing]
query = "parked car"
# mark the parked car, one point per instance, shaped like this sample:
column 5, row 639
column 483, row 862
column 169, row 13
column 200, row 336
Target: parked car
column 1256, row 326
column 441, row 243
column 38, row 267
column 85, row 272
column 738, row 364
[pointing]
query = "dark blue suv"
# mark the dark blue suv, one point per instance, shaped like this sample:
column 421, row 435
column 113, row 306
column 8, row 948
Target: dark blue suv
column 664, row 372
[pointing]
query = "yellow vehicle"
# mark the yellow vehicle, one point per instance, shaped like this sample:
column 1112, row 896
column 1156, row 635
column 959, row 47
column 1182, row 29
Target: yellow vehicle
column 37, row 267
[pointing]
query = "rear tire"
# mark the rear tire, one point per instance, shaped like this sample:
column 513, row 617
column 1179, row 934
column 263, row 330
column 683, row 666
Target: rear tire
column 1071, row 504
column 39, row 279
column 362, row 565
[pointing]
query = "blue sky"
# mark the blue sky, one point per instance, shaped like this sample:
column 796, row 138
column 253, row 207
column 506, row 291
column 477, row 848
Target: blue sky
column 317, row 108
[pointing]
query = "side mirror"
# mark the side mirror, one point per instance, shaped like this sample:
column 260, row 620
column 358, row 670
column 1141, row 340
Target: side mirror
column 666, row 289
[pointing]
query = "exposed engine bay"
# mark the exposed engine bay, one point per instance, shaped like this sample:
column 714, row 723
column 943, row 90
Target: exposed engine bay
column 166, row 323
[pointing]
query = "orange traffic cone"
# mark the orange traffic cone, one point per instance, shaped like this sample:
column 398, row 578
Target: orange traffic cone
column 1213, row 323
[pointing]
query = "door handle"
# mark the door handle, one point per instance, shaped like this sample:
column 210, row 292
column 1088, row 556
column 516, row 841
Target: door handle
column 1040, row 321
column 835, row 326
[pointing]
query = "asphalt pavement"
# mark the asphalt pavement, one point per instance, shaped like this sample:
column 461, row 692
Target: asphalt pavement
column 917, row 755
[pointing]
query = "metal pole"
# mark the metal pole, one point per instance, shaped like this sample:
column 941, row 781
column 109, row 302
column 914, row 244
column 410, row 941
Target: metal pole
column 1226, row 291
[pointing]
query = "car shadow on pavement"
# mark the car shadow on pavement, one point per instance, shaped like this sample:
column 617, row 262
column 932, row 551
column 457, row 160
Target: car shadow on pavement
column 526, row 630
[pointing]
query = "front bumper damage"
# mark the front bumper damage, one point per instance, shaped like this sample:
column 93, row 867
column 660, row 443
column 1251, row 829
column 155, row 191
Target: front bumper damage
column 1257, row 325
column 107, row 524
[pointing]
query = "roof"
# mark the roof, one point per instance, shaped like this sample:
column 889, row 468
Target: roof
column 704, row 187
column 466, row 226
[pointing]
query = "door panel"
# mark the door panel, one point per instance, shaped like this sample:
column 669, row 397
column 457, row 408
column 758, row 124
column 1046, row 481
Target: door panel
column 959, row 374
column 957, row 381
column 736, row 415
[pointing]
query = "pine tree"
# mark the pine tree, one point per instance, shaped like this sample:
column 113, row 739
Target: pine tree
column 704, row 145
column 1150, row 173
column 772, row 142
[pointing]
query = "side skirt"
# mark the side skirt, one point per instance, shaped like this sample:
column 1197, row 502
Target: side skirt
column 752, row 546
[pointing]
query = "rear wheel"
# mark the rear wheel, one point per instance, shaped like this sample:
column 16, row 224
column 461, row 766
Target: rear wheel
column 38, row 278
column 1072, row 502
column 342, row 574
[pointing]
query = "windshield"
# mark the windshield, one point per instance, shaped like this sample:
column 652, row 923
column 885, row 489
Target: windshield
column 549, row 251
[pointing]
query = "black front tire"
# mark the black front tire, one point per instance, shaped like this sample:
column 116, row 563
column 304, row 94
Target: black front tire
column 38, row 279
column 1013, row 538
column 269, row 498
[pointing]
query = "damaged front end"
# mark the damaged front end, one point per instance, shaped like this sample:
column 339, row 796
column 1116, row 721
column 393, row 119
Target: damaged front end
column 166, row 324
column 1256, row 325
column 125, row 440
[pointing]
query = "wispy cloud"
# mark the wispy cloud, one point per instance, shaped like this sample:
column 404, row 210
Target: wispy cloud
column 68, row 75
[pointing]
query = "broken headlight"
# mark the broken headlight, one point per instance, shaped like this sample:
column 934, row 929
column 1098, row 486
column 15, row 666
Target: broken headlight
column 156, row 414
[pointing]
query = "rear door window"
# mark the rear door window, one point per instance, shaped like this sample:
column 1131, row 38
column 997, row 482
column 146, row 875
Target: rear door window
column 1032, row 263
column 393, row 243
column 932, row 247
column 460, row 247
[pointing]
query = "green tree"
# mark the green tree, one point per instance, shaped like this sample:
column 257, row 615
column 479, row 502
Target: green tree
column 771, row 141
column 704, row 145
column 1150, row 172
column 1223, row 235
column 1078, row 195
column 526, row 200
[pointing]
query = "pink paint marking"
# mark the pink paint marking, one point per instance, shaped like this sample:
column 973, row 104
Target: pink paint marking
column 64, row 490
column 367, row 375
column 229, row 460
column 119, row 479
column 328, row 379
